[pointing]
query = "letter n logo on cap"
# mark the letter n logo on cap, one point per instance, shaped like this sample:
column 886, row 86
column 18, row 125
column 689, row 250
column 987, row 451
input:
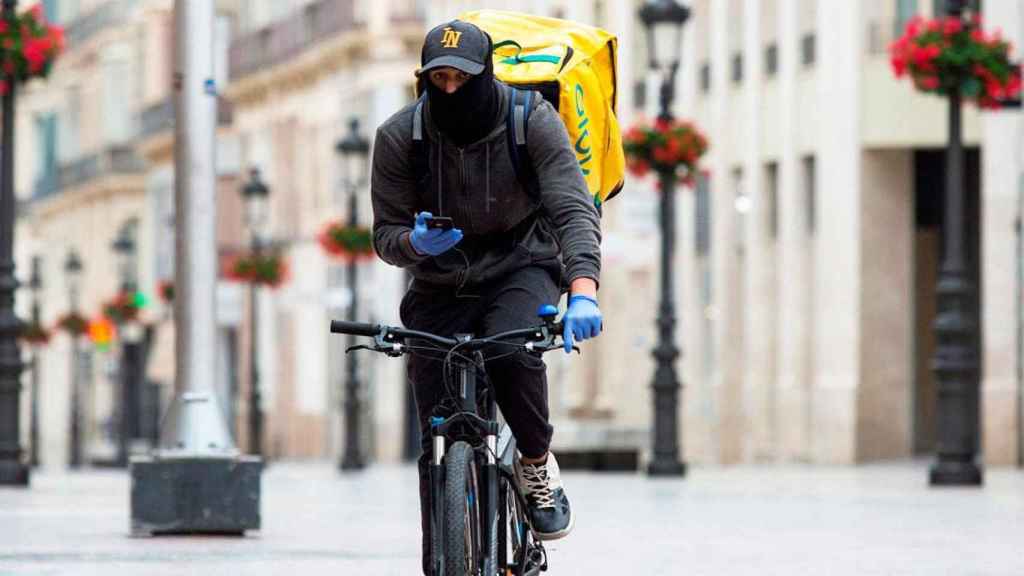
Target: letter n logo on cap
column 450, row 38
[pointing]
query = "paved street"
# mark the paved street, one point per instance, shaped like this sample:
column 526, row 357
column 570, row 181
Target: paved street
column 737, row 521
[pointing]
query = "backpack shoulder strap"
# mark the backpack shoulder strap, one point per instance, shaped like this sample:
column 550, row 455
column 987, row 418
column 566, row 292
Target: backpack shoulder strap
column 420, row 147
column 520, row 104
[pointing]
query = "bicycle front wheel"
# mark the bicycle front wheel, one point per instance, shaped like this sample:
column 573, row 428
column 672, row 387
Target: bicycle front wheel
column 462, row 538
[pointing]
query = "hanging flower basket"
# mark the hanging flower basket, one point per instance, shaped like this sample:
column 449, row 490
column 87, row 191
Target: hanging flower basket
column 943, row 55
column 33, row 334
column 665, row 146
column 73, row 323
column 122, row 308
column 166, row 290
column 28, row 46
column 267, row 269
column 347, row 242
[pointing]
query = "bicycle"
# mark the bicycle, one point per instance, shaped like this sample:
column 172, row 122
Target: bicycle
column 467, row 539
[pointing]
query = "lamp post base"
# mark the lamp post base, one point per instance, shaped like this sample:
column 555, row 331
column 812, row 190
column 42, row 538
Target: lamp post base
column 955, row 474
column 195, row 495
column 13, row 474
column 666, row 468
column 349, row 463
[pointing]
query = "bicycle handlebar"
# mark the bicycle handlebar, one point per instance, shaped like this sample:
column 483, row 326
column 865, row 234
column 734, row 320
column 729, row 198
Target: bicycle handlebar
column 390, row 336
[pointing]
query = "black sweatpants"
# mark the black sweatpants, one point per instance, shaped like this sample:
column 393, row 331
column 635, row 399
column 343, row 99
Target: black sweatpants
column 519, row 380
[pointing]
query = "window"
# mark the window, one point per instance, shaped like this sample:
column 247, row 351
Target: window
column 117, row 94
column 905, row 10
column 46, row 155
column 640, row 94
column 771, row 60
column 70, row 122
column 772, row 198
column 810, row 192
column 703, row 214
column 50, row 11
column 807, row 55
column 737, row 68
column 705, row 77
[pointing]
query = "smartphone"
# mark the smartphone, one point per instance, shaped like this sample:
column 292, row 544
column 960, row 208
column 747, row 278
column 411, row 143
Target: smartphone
column 440, row 222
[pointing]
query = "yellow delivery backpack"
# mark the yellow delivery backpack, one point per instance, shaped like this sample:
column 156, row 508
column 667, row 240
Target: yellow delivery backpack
column 573, row 66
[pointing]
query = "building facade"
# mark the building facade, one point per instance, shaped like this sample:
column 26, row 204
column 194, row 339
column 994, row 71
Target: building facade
column 811, row 279
column 807, row 257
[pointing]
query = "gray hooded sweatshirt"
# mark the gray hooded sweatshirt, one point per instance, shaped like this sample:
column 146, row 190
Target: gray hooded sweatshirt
column 506, row 228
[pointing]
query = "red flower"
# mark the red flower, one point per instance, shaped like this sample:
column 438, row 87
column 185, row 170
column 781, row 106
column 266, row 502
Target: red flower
column 1013, row 86
column 4, row 27
column 3, row 87
column 662, row 155
column 930, row 82
column 8, row 67
column 56, row 34
column 934, row 26
column 978, row 36
column 639, row 168
column 8, row 44
column 953, row 25
column 35, row 53
column 899, row 65
column 37, row 12
column 994, row 90
column 914, row 26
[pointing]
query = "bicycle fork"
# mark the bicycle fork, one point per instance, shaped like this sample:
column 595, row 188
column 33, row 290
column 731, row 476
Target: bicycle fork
column 437, row 519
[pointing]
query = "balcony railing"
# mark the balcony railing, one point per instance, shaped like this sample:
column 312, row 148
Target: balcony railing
column 108, row 14
column 160, row 116
column 289, row 37
column 118, row 159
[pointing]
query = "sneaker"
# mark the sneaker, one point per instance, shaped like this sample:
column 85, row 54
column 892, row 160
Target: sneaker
column 548, row 507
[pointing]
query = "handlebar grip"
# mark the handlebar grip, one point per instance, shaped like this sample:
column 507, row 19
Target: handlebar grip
column 355, row 328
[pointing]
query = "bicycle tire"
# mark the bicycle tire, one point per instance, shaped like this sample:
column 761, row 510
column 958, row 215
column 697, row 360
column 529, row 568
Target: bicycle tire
column 462, row 549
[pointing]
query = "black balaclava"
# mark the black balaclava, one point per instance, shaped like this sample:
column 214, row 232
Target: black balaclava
column 472, row 111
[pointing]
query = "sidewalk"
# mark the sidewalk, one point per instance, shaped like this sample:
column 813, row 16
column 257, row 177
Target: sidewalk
column 877, row 520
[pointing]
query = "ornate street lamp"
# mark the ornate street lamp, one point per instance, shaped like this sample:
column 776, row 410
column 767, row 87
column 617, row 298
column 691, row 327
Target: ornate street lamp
column 956, row 327
column 354, row 150
column 35, row 285
column 664, row 20
column 256, row 195
column 130, row 372
column 73, row 281
column 13, row 470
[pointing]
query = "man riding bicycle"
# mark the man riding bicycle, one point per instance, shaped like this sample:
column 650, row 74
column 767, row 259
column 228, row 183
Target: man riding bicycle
column 512, row 247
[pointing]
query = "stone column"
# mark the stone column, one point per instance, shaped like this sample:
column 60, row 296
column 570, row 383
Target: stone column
column 728, row 372
column 1002, row 188
column 793, row 397
column 760, row 306
column 837, row 233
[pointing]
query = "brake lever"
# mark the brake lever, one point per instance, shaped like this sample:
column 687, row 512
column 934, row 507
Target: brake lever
column 358, row 347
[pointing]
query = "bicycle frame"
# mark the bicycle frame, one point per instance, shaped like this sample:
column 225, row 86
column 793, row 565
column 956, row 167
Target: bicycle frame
column 539, row 339
column 487, row 429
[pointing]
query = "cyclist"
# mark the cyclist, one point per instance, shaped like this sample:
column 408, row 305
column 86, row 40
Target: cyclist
column 512, row 249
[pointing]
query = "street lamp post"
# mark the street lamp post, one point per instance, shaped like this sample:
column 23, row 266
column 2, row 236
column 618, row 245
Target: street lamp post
column 131, row 348
column 664, row 20
column 255, row 193
column 12, row 469
column 353, row 149
column 73, row 279
column 955, row 362
column 35, row 284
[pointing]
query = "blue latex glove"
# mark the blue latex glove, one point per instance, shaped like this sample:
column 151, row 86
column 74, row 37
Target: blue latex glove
column 432, row 241
column 581, row 321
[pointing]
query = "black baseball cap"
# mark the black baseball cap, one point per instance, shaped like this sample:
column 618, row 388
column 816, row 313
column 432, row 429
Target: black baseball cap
column 456, row 44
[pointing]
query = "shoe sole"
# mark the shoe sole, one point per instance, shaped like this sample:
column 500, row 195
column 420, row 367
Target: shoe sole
column 556, row 535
